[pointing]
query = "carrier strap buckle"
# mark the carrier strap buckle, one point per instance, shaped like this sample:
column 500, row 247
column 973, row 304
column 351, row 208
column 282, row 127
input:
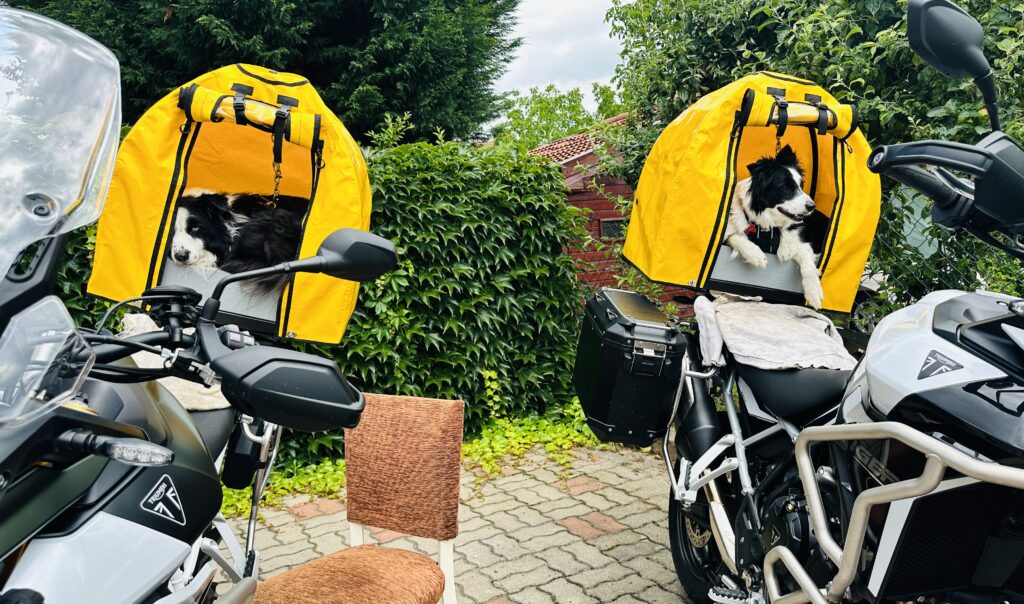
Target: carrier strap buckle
column 278, row 135
column 823, row 118
column 238, row 102
column 783, row 120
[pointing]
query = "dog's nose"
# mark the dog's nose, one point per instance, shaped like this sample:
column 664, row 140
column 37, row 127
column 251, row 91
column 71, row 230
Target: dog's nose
column 181, row 255
column 810, row 207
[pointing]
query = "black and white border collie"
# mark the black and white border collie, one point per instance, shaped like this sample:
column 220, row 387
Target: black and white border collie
column 237, row 233
column 773, row 198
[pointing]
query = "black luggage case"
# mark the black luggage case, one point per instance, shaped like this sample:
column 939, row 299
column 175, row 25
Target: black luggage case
column 628, row 364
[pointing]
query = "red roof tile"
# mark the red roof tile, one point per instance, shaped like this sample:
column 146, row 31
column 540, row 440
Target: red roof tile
column 567, row 148
column 573, row 146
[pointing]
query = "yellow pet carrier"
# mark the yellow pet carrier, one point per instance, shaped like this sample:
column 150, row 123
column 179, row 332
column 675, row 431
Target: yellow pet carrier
column 226, row 131
column 686, row 188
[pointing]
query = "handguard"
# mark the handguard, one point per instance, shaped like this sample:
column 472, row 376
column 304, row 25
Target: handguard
column 996, row 163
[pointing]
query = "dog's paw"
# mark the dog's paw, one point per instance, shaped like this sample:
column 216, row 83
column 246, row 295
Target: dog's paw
column 754, row 257
column 813, row 292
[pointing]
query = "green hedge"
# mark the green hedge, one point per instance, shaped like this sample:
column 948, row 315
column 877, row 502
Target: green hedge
column 484, row 305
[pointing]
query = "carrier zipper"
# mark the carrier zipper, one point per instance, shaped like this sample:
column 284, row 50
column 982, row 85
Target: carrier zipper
column 814, row 162
column 839, row 161
column 174, row 192
column 316, row 159
column 735, row 138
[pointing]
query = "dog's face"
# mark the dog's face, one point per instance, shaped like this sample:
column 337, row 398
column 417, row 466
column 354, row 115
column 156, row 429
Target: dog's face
column 776, row 190
column 202, row 231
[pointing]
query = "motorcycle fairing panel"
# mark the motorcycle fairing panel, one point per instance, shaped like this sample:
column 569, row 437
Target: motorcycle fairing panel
column 219, row 133
column 682, row 200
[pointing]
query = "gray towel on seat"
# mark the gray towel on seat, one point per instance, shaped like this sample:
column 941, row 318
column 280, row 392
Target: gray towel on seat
column 779, row 336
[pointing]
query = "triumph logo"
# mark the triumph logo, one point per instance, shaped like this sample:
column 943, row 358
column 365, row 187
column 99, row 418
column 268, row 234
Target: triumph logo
column 164, row 501
column 937, row 363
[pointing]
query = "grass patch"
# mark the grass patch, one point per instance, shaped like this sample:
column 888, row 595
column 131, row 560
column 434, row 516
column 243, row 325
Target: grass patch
column 507, row 439
column 325, row 478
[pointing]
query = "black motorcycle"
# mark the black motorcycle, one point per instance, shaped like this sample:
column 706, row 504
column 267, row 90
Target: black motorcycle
column 110, row 490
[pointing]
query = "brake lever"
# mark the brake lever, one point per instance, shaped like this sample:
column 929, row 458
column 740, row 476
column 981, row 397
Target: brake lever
column 960, row 185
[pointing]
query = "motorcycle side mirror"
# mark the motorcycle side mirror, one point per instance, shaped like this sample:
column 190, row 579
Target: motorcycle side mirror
column 353, row 255
column 953, row 42
column 346, row 254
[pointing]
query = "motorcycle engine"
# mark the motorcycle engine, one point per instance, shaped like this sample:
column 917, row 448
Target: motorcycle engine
column 784, row 521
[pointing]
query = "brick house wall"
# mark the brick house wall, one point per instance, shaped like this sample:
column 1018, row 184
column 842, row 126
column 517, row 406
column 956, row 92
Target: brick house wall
column 594, row 192
column 605, row 224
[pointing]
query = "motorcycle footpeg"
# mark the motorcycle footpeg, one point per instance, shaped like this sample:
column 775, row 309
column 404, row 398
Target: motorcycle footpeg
column 724, row 595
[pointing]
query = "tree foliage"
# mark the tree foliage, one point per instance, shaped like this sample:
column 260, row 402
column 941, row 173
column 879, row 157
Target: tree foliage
column 547, row 114
column 675, row 51
column 436, row 59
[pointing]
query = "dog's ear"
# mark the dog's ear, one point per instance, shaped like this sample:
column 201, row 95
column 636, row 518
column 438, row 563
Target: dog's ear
column 787, row 157
column 218, row 202
column 759, row 166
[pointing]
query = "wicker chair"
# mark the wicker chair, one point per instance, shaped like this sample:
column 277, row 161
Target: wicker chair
column 403, row 466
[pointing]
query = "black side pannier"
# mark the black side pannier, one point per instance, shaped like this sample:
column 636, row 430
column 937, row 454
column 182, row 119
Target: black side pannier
column 628, row 363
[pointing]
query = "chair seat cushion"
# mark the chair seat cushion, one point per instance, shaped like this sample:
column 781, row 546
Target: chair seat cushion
column 357, row 575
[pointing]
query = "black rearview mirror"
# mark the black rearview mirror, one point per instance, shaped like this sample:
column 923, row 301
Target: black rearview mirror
column 947, row 38
column 346, row 254
column 356, row 255
column 953, row 42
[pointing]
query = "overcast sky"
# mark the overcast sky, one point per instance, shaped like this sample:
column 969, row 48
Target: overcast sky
column 566, row 43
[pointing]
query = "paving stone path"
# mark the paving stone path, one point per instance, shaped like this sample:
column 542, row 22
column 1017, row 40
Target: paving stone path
column 539, row 534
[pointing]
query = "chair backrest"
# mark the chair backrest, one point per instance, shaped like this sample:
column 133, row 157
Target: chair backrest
column 403, row 465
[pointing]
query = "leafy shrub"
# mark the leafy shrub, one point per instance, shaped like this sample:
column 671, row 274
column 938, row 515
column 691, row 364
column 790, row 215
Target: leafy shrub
column 438, row 59
column 325, row 478
column 73, row 275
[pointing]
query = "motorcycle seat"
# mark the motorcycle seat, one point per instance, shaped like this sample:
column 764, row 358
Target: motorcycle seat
column 215, row 427
column 797, row 395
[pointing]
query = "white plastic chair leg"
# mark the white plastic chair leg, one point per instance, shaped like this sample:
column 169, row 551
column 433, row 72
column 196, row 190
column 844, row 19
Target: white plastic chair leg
column 446, row 560
column 355, row 534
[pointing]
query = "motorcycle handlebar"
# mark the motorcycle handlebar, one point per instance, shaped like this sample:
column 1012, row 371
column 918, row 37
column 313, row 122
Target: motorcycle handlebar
column 107, row 353
column 945, row 154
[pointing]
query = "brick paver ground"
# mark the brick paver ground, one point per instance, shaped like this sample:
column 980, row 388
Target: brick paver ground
column 595, row 533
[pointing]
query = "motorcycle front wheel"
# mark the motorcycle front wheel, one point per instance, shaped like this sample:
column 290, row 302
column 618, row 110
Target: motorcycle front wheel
column 698, row 562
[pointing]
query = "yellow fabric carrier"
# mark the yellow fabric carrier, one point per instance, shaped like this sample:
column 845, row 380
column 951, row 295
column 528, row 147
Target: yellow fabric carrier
column 229, row 131
column 687, row 185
